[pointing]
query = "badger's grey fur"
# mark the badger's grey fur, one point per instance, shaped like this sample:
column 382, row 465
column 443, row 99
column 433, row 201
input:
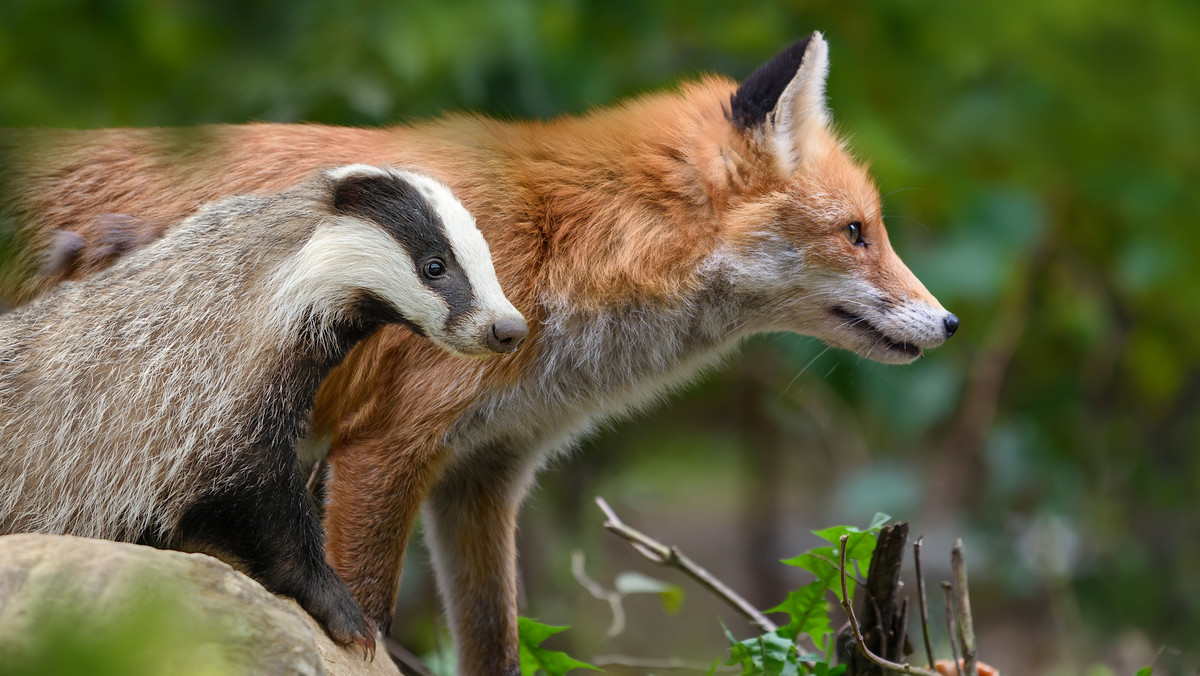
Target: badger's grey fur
column 161, row 400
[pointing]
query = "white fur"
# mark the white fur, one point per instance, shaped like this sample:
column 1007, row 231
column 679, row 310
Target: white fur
column 801, row 108
column 594, row 366
column 471, row 251
column 339, row 259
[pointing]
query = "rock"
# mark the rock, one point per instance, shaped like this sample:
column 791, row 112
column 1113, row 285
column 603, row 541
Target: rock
column 75, row 605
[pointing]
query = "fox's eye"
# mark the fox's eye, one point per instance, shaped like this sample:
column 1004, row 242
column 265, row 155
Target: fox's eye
column 435, row 268
column 854, row 233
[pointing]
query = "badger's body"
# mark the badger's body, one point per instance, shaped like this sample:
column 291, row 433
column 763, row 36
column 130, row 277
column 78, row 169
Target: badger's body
column 161, row 400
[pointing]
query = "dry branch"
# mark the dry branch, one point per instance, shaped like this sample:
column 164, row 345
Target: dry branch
column 966, row 627
column 656, row 552
column 946, row 589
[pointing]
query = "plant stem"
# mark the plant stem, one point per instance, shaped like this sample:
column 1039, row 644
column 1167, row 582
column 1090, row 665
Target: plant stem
column 858, row 637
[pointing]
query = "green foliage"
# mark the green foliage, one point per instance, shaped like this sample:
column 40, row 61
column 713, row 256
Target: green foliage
column 1144, row 671
column 535, row 658
column 775, row 653
column 771, row 654
column 633, row 582
column 806, row 608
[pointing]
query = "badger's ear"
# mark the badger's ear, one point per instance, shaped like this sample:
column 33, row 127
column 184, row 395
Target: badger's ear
column 786, row 97
column 353, row 184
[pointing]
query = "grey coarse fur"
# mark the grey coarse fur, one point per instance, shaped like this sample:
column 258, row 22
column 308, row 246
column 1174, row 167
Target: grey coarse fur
column 126, row 397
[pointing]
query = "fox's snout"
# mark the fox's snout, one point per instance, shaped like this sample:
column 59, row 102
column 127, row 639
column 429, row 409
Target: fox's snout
column 951, row 324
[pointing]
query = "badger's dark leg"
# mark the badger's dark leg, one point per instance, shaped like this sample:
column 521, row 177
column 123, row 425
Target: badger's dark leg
column 263, row 517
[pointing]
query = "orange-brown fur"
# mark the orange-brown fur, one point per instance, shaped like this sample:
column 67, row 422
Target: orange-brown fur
column 615, row 207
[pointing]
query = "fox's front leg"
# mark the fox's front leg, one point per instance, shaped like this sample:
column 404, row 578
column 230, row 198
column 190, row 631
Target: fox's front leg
column 472, row 514
column 374, row 498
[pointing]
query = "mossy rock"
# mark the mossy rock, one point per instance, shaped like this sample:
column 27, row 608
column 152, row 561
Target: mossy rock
column 78, row 606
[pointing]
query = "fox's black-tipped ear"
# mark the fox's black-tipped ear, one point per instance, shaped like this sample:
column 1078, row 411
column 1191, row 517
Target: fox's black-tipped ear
column 757, row 96
column 786, row 94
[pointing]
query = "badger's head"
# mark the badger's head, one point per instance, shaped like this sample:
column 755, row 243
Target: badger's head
column 401, row 246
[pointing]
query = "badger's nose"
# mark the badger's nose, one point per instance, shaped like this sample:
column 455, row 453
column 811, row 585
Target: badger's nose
column 951, row 322
column 506, row 335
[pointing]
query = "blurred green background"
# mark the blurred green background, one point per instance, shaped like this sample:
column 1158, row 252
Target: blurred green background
column 1040, row 161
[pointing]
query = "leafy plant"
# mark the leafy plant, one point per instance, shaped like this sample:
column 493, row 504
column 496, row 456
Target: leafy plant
column 776, row 653
column 534, row 658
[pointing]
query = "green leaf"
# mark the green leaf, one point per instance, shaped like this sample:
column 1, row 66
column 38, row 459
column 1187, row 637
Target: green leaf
column 531, row 634
column 809, row 613
column 631, row 582
column 776, row 651
column 1145, row 671
column 771, row 654
column 821, row 562
column 860, row 543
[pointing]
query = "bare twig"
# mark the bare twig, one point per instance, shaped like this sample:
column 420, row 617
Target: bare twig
column 410, row 663
column 966, row 627
column 595, row 589
column 858, row 637
column 946, row 589
column 652, row 663
column 834, row 565
column 656, row 552
column 921, row 599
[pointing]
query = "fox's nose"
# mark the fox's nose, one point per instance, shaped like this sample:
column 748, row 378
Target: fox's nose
column 951, row 322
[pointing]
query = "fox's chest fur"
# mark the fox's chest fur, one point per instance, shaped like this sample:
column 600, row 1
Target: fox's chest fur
column 594, row 365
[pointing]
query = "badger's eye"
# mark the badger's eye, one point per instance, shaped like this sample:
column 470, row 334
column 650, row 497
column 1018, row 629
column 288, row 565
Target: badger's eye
column 435, row 268
column 854, row 233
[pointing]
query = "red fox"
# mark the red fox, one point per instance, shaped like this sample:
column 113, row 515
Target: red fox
column 642, row 241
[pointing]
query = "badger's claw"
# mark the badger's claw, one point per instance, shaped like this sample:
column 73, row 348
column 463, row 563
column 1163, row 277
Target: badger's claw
column 367, row 643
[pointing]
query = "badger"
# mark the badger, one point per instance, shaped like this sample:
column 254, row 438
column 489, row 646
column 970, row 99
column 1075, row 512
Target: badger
column 161, row 401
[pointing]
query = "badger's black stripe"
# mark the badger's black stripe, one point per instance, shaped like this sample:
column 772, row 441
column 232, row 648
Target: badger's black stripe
column 757, row 96
column 258, row 510
column 412, row 221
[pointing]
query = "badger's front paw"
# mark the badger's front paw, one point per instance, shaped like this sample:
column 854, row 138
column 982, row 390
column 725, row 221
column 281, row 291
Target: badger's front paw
column 331, row 604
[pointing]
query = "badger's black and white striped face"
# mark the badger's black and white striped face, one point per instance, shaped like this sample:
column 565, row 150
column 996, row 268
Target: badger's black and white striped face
column 423, row 257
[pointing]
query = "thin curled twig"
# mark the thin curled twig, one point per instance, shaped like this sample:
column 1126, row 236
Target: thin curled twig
column 858, row 637
column 579, row 570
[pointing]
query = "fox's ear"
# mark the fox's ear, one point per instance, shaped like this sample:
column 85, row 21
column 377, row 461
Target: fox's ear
column 786, row 96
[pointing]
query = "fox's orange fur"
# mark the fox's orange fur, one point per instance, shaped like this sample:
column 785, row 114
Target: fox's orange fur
column 603, row 228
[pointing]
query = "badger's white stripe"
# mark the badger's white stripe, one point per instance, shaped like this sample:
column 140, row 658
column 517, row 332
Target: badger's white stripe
column 343, row 258
column 344, row 172
column 470, row 248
